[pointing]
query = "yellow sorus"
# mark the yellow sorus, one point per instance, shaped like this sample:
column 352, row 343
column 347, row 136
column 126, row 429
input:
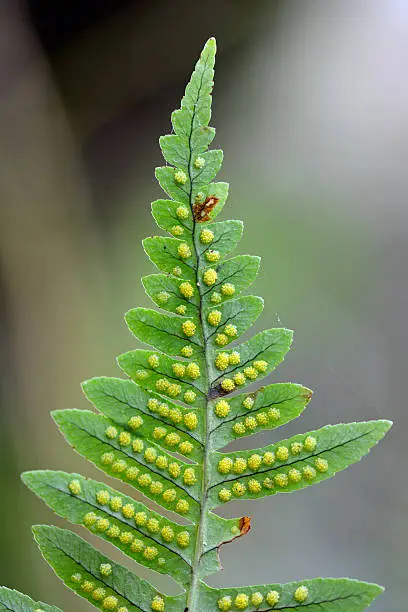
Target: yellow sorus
column 156, row 487
column 125, row 437
column 128, row 511
column 310, row 443
column 111, row 432
column 184, row 250
column 250, row 423
column 169, row 495
column 162, row 297
column 173, row 390
column 180, row 177
column 185, row 448
column 175, row 415
column 222, row 409
column 224, row 495
column 174, row 470
column 239, row 429
column 254, row 461
column 309, row 472
column 135, row 422
column 150, row 553
column 294, row 475
column 190, row 420
column 189, row 328
column 189, row 397
column 210, row 277
column 177, row 230
column 215, row 298
column 268, row 458
column 141, row 374
column 153, row 360
column 228, row 289
column 137, row 546
column 228, row 385
column 240, row 465
column 222, row 361
column 189, row 477
column 102, row 524
column 272, row 597
column 254, row 486
column 110, row 603
column 119, row 466
column 102, row 497
column 187, row 351
column 131, row 473
column 182, row 309
column 274, row 414
column 164, row 410
column 248, row 402
column 234, row 358
column 90, row 519
column 262, row 418
column 126, row 537
column 193, row 370
column 75, row 487
column 256, row 598
column 87, row 586
column 214, row 317
column 113, row 532
column 115, row 503
column 260, row 365
column 250, row 372
column 212, row 256
column 296, row 448
column 281, row 480
column 179, row 369
column 107, row 458
column 157, row 604
column 172, row 439
column 268, row 483
column 321, row 465
column 177, row 271
column 186, row 289
column 225, row 465
column 167, row 534
column 231, row 330
column 182, row 506
column 199, row 163
column 153, row 404
column 159, row 433
column 76, row 577
column 153, row 525
column 137, row 445
column 123, row 609
column 144, row 480
column 140, row 519
column 182, row 212
column 221, row 339
column 98, row 594
column 225, row 603
column 282, row 453
column 239, row 379
column 183, row 539
column 301, row 594
column 241, row 601
column 206, row 236
column 238, row 489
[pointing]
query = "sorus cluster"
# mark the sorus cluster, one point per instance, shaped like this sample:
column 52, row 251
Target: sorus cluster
column 241, row 601
column 174, row 414
column 98, row 593
column 263, row 418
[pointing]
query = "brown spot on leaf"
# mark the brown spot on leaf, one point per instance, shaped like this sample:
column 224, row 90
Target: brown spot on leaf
column 202, row 210
column 245, row 524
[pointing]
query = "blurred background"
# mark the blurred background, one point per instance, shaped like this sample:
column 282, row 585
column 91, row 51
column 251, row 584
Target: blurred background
column 311, row 109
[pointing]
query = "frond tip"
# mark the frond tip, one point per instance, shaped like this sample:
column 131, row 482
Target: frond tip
column 162, row 430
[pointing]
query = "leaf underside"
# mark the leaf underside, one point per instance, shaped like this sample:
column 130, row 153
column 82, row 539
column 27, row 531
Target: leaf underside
column 162, row 430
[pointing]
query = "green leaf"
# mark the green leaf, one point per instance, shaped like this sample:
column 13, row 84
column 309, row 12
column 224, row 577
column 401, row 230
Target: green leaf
column 165, row 292
column 293, row 464
column 322, row 594
column 271, row 406
column 241, row 271
column 163, row 253
column 241, row 313
column 165, row 215
column 147, row 537
column 18, row 602
column 164, row 332
column 227, row 235
column 88, row 434
column 78, row 564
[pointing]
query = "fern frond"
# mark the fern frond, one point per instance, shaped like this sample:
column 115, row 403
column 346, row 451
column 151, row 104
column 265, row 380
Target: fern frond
column 162, row 430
